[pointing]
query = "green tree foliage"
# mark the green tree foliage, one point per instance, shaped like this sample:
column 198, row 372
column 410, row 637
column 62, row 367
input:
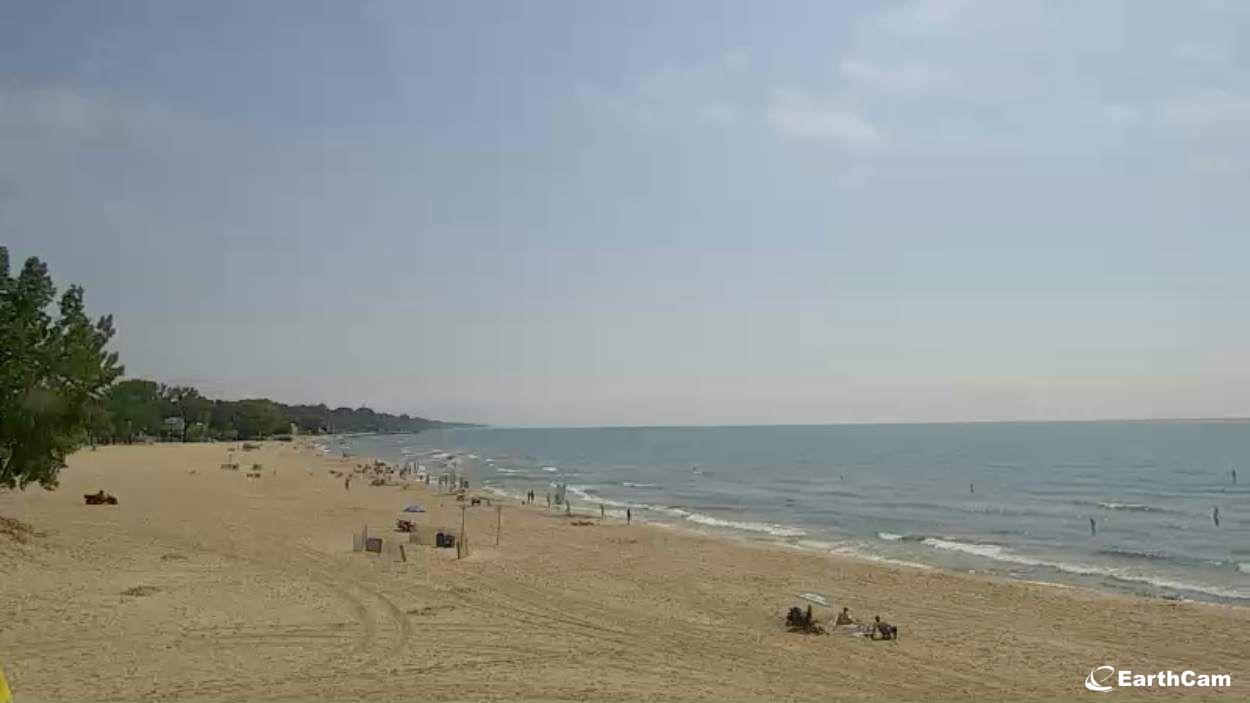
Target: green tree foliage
column 53, row 371
column 136, row 407
column 186, row 402
column 253, row 418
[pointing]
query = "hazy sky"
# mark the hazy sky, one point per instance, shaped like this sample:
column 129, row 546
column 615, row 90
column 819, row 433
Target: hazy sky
column 553, row 213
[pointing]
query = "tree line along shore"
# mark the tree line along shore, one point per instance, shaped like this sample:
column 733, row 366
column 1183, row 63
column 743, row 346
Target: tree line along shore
column 61, row 388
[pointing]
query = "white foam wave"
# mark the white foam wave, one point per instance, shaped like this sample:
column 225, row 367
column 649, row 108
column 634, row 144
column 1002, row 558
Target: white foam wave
column 586, row 494
column 1132, row 507
column 503, row 492
column 890, row 536
column 631, row 484
column 762, row 527
column 1002, row 554
column 1244, row 567
column 550, row 469
column 852, row 552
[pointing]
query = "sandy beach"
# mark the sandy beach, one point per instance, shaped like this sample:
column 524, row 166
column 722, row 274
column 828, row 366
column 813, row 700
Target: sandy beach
column 206, row 584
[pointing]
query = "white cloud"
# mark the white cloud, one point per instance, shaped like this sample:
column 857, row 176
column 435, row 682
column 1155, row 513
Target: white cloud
column 922, row 15
column 906, row 79
column 676, row 95
column 796, row 115
column 62, row 119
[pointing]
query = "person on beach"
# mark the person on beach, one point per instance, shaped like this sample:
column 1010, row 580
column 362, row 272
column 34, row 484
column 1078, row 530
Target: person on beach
column 844, row 618
column 884, row 629
column 602, row 513
column 549, row 501
column 629, row 516
column 347, row 482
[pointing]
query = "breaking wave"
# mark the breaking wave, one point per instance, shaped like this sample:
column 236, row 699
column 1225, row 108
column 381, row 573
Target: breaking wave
column 999, row 553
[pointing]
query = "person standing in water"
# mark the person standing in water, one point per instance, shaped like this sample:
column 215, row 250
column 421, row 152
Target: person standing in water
column 971, row 488
column 1093, row 528
column 1215, row 515
column 1234, row 473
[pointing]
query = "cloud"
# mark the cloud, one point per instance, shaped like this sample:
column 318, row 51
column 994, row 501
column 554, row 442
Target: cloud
column 922, row 16
column 61, row 120
column 712, row 91
column 906, row 79
column 795, row 115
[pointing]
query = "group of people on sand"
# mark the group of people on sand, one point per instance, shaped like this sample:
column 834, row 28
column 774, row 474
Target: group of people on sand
column 878, row 629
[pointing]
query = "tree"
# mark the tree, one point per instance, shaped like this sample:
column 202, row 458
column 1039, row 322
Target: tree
column 52, row 374
column 136, row 406
column 250, row 419
column 187, row 403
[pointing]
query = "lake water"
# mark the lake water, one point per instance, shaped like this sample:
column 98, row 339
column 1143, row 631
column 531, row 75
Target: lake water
column 1009, row 498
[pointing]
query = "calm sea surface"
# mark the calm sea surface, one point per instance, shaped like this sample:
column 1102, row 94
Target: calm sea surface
column 1013, row 499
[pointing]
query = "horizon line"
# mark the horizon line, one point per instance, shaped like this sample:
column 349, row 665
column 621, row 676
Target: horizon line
column 870, row 423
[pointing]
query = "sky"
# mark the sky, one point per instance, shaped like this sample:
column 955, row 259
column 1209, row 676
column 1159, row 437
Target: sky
column 647, row 213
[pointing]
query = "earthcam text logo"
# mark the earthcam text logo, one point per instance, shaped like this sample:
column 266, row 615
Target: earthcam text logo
column 1106, row 678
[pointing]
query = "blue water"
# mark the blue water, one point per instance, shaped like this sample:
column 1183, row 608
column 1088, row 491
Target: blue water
column 1011, row 498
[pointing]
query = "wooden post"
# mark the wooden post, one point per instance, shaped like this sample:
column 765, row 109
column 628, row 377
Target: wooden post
column 498, row 522
column 464, row 544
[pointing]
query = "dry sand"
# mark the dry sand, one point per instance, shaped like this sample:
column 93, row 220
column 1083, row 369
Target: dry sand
column 210, row 585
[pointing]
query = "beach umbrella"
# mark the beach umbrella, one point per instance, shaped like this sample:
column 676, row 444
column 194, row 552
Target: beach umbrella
column 816, row 598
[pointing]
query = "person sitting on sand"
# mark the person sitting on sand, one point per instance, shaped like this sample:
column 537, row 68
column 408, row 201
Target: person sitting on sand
column 884, row 629
column 844, row 618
